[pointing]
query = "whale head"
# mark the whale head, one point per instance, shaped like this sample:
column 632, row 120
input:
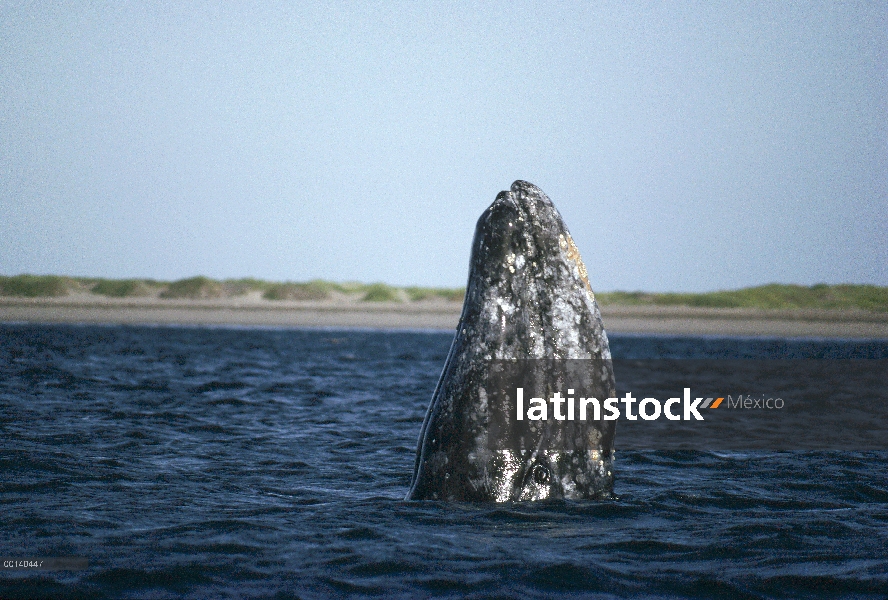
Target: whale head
column 529, row 316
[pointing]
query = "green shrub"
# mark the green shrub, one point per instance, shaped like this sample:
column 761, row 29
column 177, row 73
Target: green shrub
column 454, row 295
column 624, row 298
column 419, row 293
column 380, row 292
column 423, row 293
column 121, row 288
column 195, row 288
column 313, row 290
column 33, row 286
column 868, row 297
column 771, row 296
column 239, row 287
column 350, row 287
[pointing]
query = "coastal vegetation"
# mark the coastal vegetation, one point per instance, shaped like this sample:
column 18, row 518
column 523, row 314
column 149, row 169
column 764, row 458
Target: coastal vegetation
column 772, row 296
column 380, row 292
column 424, row 293
column 34, row 286
column 123, row 288
column 312, row 290
column 194, row 288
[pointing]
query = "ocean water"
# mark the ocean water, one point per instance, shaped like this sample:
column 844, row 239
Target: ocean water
column 271, row 463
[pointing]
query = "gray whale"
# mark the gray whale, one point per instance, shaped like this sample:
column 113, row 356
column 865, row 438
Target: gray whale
column 528, row 302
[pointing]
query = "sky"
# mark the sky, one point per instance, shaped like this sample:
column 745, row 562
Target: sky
column 689, row 146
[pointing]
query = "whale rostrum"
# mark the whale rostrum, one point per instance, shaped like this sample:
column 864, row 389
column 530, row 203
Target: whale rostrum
column 529, row 316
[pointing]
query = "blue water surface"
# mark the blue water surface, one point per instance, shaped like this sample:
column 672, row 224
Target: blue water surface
column 272, row 463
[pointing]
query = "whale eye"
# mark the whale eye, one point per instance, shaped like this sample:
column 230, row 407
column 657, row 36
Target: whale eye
column 541, row 475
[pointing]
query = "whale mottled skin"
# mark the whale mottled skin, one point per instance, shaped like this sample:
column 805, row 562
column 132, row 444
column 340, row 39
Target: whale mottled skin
column 528, row 300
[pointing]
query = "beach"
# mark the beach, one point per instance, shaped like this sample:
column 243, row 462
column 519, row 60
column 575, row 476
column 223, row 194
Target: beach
column 252, row 310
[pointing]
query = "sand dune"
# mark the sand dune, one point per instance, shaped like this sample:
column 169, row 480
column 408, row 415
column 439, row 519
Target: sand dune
column 252, row 310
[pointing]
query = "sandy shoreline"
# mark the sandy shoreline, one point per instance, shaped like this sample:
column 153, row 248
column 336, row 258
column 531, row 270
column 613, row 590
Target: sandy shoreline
column 438, row 314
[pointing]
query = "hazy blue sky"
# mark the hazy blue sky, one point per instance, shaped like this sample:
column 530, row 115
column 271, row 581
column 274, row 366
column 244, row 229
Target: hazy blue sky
column 688, row 146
